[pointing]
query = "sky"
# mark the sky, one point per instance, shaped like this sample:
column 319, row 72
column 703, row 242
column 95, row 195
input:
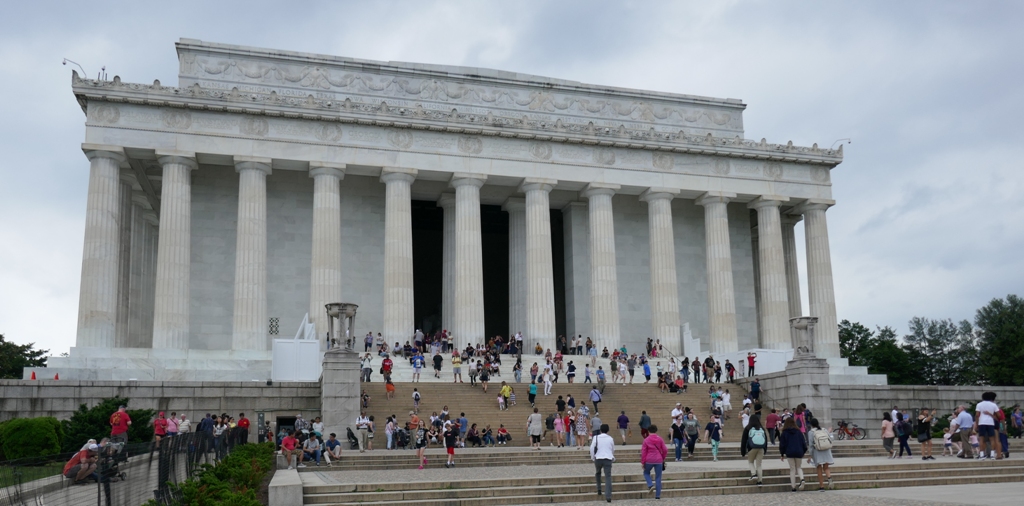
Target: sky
column 929, row 218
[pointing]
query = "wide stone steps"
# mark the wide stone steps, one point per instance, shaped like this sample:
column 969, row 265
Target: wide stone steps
column 484, row 457
column 482, row 409
column 674, row 484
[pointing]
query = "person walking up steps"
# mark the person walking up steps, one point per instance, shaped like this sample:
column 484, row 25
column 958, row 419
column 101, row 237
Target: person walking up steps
column 533, row 393
column 652, row 458
column 602, row 454
column 595, row 399
column 793, row 446
column 754, row 444
column 821, row 454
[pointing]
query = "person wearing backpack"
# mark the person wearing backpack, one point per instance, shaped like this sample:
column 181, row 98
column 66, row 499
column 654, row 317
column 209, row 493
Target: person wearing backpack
column 821, row 454
column 793, row 446
column 903, row 434
column 753, row 445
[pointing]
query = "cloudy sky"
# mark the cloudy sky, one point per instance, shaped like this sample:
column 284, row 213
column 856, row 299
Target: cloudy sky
column 930, row 196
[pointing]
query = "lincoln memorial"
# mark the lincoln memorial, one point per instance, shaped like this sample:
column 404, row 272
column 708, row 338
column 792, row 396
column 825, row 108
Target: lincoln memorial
column 225, row 212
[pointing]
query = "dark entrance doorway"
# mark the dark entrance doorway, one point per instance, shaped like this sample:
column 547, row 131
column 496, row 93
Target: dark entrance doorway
column 428, row 266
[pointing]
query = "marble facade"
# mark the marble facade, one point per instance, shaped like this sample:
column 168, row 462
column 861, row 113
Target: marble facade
column 268, row 182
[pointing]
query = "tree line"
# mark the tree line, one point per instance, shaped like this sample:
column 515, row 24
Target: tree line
column 988, row 351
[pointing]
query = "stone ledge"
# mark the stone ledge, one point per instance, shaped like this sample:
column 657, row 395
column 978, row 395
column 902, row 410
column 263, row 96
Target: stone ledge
column 285, row 488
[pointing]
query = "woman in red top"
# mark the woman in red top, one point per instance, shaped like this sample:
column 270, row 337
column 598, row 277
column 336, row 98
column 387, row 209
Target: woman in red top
column 160, row 427
column 652, row 457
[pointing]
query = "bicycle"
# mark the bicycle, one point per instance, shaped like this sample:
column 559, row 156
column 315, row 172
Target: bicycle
column 850, row 430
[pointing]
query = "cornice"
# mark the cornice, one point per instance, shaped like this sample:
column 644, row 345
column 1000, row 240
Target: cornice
column 321, row 109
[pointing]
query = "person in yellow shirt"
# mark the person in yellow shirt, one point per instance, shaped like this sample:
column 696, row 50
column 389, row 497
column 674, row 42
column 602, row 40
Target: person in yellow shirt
column 505, row 392
column 457, row 368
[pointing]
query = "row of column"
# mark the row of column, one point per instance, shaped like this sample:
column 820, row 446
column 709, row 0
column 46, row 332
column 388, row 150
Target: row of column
column 121, row 232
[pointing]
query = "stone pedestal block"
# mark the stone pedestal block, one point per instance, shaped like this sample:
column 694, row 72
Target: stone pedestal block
column 339, row 391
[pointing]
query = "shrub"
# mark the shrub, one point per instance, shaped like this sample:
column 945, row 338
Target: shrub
column 31, row 437
column 94, row 423
column 234, row 481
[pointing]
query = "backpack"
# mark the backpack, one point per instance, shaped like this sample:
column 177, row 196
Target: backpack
column 416, row 396
column 756, row 438
column 821, row 440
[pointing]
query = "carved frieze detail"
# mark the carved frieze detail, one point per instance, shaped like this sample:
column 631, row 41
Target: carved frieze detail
column 471, row 145
column 254, row 126
column 773, row 170
column 177, row 120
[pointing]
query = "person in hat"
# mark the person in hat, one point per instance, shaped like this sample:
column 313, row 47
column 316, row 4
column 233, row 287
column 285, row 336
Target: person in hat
column 82, row 464
column 119, row 423
column 160, row 427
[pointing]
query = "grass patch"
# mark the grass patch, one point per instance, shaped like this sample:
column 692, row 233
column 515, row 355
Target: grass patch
column 24, row 474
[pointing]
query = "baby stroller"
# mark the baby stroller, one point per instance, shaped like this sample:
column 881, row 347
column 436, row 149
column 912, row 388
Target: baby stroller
column 401, row 438
column 110, row 459
column 352, row 440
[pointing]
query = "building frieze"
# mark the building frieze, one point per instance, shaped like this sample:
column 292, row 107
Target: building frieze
column 418, row 116
column 216, row 124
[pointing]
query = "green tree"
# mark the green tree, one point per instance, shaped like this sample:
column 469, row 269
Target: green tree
column 886, row 356
column 94, row 423
column 14, row 358
column 854, row 342
column 943, row 352
column 1001, row 341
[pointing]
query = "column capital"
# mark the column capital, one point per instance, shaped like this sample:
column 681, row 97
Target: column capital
column 446, row 200
column 128, row 176
column 767, row 201
column 658, row 193
column 252, row 163
column 466, row 179
column 179, row 157
column 151, row 218
column 593, row 189
column 514, row 204
column 93, row 151
column 536, row 183
column 791, row 219
column 574, row 205
column 390, row 174
column 140, row 199
column 715, row 197
column 327, row 169
column 813, row 205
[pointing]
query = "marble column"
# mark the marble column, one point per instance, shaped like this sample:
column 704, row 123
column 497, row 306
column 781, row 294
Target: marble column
column 139, row 241
column 250, row 325
column 792, row 272
column 469, row 269
column 540, row 276
column 398, row 276
column 604, row 282
column 149, row 277
column 97, row 301
column 820, row 289
column 325, row 262
column 516, row 208
column 664, row 283
column 447, row 204
column 721, row 292
column 124, row 257
column 774, row 303
column 756, row 261
column 174, row 253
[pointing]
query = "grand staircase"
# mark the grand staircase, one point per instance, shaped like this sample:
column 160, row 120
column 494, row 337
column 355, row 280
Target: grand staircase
column 482, row 409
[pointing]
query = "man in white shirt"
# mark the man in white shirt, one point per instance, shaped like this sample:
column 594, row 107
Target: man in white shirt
column 677, row 413
column 519, row 344
column 961, row 426
column 363, row 426
column 184, row 425
column 726, row 403
column 988, row 437
column 602, row 454
column 895, row 411
column 366, row 365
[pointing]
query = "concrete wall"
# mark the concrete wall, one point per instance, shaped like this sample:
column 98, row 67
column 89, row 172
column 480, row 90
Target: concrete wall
column 214, row 223
column 25, row 399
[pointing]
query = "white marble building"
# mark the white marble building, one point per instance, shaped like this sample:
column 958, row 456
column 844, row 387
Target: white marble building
column 268, row 183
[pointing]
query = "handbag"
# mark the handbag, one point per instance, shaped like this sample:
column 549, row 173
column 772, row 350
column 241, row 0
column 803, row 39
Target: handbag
column 664, row 465
column 629, row 433
column 922, row 437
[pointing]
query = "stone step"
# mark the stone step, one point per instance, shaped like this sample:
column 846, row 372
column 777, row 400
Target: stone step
column 675, row 484
column 482, row 408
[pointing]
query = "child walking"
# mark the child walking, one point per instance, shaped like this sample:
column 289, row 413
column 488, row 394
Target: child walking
column 451, row 439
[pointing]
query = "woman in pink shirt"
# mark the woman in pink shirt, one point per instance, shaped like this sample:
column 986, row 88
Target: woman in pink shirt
column 652, row 456
column 172, row 425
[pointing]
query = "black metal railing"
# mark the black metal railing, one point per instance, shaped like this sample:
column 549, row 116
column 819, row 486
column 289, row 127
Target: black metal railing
column 125, row 475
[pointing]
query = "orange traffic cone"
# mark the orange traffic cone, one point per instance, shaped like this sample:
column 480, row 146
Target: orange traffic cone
column 56, row 376
column 33, row 375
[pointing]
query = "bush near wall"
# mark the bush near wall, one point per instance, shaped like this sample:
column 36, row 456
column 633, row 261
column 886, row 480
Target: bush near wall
column 31, row 437
column 94, row 423
column 234, row 481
